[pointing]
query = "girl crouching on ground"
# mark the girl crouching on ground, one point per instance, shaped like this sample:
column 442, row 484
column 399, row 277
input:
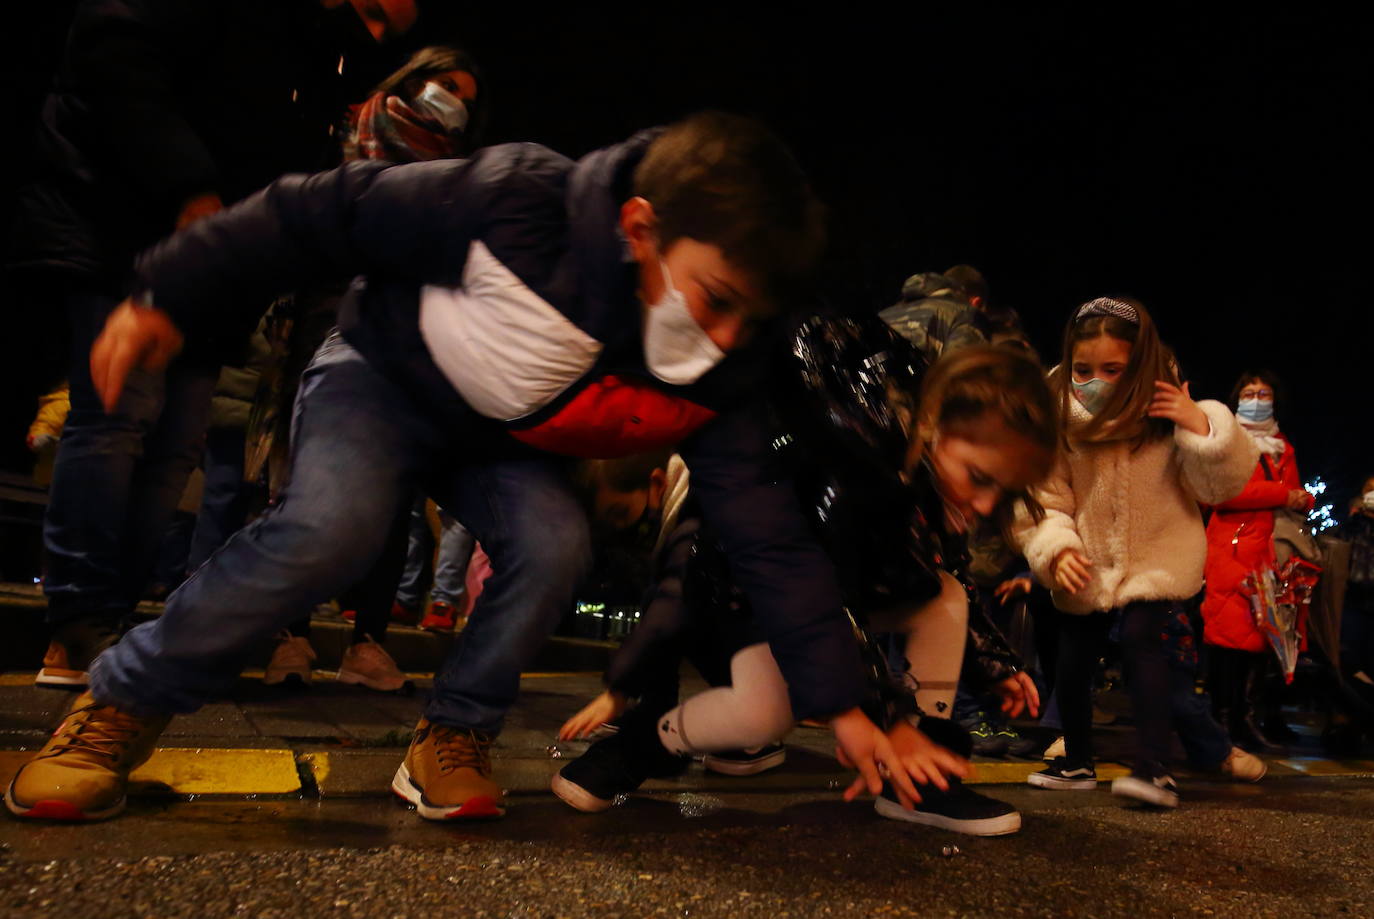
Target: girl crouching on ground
column 984, row 430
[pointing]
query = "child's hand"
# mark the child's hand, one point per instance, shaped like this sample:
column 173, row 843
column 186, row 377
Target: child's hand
column 134, row 336
column 606, row 707
column 1071, row 572
column 922, row 756
column 860, row 744
column 1010, row 589
column 1174, row 403
column 1019, row 695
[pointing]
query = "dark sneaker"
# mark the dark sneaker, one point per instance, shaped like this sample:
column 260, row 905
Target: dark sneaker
column 1158, row 790
column 592, row 782
column 617, row 765
column 960, row 810
column 70, row 653
column 1018, row 745
column 746, row 762
column 986, row 740
column 1063, row 775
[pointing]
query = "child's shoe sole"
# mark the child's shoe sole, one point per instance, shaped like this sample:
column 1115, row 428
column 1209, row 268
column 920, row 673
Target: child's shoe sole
column 577, row 797
column 1040, row 780
column 1130, row 786
column 1004, row 825
column 477, row 808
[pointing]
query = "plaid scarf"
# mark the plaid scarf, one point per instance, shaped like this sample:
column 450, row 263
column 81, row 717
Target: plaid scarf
column 385, row 128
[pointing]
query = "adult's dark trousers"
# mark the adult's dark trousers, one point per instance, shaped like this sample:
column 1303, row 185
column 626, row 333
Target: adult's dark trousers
column 1082, row 641
column 118, row 476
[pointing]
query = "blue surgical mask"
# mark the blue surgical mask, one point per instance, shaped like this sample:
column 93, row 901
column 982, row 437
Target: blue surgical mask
column 1093, row 394
column 1255, row 411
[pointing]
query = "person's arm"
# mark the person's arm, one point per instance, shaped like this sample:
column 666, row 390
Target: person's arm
column 1258, row 495
column 413, row 222
column 775, row 560
column 1216, row 465
column 1043, row 542
column 657, row 640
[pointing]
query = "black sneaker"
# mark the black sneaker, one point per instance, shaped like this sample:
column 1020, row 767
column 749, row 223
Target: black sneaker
column 986, row 740
column 1063, row 775
column 960, row 810
column 1155, row 788
column 617, row 765
column 746, row 762
column 1018, row 745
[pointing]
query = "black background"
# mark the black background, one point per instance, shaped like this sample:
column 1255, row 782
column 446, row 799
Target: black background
column 1210, row 163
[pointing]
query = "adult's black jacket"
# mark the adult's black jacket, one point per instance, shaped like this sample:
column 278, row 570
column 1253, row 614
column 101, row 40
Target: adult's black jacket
column 158, row 101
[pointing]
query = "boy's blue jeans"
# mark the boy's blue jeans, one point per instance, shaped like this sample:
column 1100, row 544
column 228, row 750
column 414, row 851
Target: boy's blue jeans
column 359, row 448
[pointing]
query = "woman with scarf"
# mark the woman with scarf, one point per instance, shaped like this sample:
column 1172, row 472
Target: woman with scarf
column 1240, row 540
column 431, row 108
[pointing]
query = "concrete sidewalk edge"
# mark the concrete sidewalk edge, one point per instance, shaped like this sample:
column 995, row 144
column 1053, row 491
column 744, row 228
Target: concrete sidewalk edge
column 234, row 772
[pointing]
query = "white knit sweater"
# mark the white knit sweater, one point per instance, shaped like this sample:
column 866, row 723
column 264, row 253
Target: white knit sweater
column 1135, row 514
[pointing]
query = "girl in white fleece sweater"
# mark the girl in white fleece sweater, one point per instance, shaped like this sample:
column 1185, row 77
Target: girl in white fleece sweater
column 1122, row 530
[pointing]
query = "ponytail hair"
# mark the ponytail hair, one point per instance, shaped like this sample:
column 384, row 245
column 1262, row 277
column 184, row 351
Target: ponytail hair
column 1123, row 416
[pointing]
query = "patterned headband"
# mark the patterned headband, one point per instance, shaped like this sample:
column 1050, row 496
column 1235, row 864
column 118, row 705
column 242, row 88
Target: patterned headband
column 1106, row 306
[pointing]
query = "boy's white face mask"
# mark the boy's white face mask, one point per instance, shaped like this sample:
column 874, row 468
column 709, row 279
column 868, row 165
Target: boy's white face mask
column 676, row 348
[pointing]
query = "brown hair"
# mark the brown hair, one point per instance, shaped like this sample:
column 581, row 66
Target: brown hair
column 1123, row 416
column 729, row 181
column 968, row 386
column 431, row 61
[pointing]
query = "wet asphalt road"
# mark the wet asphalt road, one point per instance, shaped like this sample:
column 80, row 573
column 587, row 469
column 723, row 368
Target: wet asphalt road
column 1286, row 848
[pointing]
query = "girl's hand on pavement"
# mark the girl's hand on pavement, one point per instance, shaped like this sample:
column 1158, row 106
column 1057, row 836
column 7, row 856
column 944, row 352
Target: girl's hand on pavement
column 606, row 707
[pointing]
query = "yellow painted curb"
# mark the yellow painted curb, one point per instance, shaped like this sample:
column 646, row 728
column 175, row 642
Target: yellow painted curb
column 318, row 764
column 1015, row 773
column 220, row 772
column 199, row 772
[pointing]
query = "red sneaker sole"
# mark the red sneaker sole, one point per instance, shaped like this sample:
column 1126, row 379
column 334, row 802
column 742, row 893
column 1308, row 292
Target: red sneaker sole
column 479, row 808
column 61, row 810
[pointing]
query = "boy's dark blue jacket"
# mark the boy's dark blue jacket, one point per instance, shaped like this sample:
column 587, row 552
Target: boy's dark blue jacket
column 519, row 250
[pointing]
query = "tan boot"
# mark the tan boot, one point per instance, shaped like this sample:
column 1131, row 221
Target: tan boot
column 447, row 774
column 83, row 771
column 292, row 663
column 368, row 664
column 71, row 651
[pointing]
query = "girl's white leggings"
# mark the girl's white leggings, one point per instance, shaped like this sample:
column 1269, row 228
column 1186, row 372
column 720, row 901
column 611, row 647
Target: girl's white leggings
column 754, row 710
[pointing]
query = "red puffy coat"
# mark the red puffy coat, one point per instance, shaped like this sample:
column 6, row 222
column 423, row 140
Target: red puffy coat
column 1240, row 539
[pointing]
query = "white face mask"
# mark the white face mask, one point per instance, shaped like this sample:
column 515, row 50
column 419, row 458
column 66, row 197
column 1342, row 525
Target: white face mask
column 1369, row 500
column 677, row 350
column 444, row 107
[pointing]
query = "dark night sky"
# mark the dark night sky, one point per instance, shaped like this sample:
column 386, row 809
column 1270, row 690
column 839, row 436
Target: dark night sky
column 1205, row 163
